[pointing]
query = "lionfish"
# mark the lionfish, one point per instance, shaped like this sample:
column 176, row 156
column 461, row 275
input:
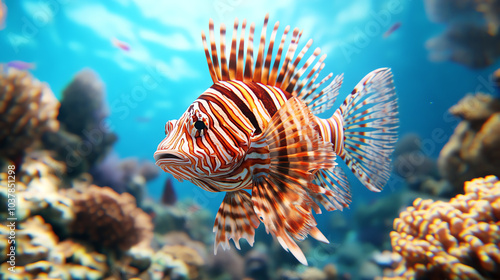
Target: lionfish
column 254, row 135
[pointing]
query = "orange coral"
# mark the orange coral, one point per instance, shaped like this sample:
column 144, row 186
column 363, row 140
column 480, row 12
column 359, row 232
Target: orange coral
column 109, row 218
column 458, row 239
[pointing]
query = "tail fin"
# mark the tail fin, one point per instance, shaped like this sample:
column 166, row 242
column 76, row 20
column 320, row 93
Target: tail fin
column 371, row 120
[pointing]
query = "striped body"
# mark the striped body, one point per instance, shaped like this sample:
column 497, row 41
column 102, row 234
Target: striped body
column 240, row 111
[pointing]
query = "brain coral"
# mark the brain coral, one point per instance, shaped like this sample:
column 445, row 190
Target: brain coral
column 28, row 108
column 110, row 219
column 458, row 239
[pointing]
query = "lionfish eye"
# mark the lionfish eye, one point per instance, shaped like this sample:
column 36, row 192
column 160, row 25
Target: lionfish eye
column 199, row 125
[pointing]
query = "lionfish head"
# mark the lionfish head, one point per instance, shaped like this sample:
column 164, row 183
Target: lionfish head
column 203, row 143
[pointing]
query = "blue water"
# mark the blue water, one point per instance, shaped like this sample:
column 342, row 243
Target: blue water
column 165, row 69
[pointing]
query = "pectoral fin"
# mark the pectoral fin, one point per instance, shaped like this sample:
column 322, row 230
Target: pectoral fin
column 281, row 199
column 235, row 219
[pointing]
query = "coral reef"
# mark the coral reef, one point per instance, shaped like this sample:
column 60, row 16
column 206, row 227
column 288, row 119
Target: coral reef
column 451, row 240
column 109, row 219
column 472, row 150
column 41, row 255
column 472, row 36
column 37, row 193
column 84, row 137
column 28, row 109
column 68, row 228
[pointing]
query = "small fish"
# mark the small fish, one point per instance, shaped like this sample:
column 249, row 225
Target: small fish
column 253, row 134
column 168, row 197
column 120, row 44
column 391, row 30
column 3, row 14
column 21, row 65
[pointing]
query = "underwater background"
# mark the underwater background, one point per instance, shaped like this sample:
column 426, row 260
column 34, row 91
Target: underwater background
column 116, row 71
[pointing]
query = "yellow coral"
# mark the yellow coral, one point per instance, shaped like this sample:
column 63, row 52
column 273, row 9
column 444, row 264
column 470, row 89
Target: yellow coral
column 458, row 239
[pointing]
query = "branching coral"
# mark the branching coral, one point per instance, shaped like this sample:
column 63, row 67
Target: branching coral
column 28, row 108
column 34, row 241
column 39, row 255
column 472, row 150
column 458, row 239
column 110, row 219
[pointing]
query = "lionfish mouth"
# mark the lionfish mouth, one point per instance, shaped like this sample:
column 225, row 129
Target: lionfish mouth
column 169, row 157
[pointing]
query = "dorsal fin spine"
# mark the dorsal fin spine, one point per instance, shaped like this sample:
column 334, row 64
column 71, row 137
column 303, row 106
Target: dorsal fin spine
column 248, row 76
column 269, row 56
column 313, row 86
column 288, row 57
column 215, row 58
column 322, row 82
column 257, row 75
column 319, row 65
column 277, row 60
column 241, row 52
column 284, row 73
column 232, row 56
column 223, row 59
column 289, row 81
column 299, row 73
column 209, row 59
